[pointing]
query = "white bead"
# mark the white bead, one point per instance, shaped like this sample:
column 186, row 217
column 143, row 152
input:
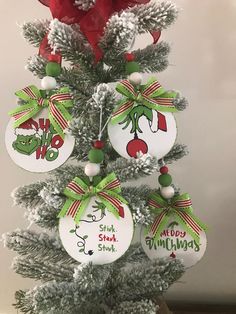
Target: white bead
column 167, row 192
column 135, row 78
column 92, row 169
column 48, row 82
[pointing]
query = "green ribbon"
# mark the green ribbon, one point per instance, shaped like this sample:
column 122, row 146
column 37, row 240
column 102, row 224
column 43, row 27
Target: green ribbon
column 58, row 103
column 152, row 95
column 79, row 194
column 180, row 207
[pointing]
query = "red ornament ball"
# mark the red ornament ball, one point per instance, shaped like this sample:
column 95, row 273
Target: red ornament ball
column 98, row 144
column 129, row 57
column 135, row 146
column 164, row 170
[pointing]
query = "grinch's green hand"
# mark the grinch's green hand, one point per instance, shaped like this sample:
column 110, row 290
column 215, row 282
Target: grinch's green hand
column 133, row 117
column 26, row 144
column 99, row 206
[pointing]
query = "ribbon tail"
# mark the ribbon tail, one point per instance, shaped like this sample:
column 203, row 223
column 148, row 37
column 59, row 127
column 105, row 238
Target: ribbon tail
column 81, row 209
column 158, row 225
column 68, row 208
column 188, row 222
column 74, row 208
column 59, row 118
column 113, row 204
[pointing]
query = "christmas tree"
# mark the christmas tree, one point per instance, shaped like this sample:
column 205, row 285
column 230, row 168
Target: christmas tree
column 132, row 283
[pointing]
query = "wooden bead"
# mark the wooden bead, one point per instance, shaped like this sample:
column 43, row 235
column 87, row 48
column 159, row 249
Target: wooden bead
column 53, row 69
column 167, row 192
column 95, row 155
column 129, row 56
column 165, row 179
column 164, row 170
column 98, row 144
column 92, row 169
column 132, row 67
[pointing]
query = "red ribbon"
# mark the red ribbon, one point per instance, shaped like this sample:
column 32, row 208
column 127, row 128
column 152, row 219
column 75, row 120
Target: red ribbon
column 93, row 21
column 45, row 51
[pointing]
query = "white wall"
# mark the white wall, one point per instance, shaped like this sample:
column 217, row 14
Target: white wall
column 203, row 68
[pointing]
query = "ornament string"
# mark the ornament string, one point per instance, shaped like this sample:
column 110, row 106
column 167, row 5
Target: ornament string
column 101, row 128
column 105, row 125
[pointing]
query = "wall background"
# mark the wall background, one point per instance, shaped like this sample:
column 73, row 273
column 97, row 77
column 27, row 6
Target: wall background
column 203, row 68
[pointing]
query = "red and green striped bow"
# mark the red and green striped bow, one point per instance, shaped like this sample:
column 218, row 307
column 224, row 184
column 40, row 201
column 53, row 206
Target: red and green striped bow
column 79, row 194
column 151, row 95
column 181, row 208
column 57, row 105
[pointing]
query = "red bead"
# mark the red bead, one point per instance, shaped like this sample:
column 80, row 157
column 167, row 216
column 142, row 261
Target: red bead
column 164, row 170
column 55, row 58
column 98, row 144
column 129, row 56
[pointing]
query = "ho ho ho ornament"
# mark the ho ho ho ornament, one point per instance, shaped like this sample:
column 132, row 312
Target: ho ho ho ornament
column 95, row 223
column 175, row 232
column 35, row 137
column 143, row 121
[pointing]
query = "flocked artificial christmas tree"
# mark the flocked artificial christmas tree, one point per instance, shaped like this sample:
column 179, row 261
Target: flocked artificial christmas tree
column 95, row 38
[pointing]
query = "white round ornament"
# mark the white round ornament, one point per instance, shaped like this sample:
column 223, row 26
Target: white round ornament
column 35, row 146
column 100, row 237
column 155, row 137
column 174, row 242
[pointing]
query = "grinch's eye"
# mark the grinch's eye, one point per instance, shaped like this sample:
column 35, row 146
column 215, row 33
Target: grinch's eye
column 30, row 141
column 22, row 143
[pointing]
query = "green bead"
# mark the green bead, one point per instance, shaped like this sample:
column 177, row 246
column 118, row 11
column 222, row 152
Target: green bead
column 131, row 67
column 53, row 69
column 165, row 179
column 96, row 155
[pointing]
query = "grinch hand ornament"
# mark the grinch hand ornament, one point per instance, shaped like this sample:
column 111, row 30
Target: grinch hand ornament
column 143, row 120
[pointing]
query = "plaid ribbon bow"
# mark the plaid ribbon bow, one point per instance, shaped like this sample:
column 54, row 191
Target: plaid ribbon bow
column 181, row 208
column 151, row 95
column 79, row 194
column 57, row 105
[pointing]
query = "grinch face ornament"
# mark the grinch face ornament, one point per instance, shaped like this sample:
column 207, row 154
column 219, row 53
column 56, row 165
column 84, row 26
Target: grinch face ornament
column 36, row 146
column 36, row 137
column 143, row 121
